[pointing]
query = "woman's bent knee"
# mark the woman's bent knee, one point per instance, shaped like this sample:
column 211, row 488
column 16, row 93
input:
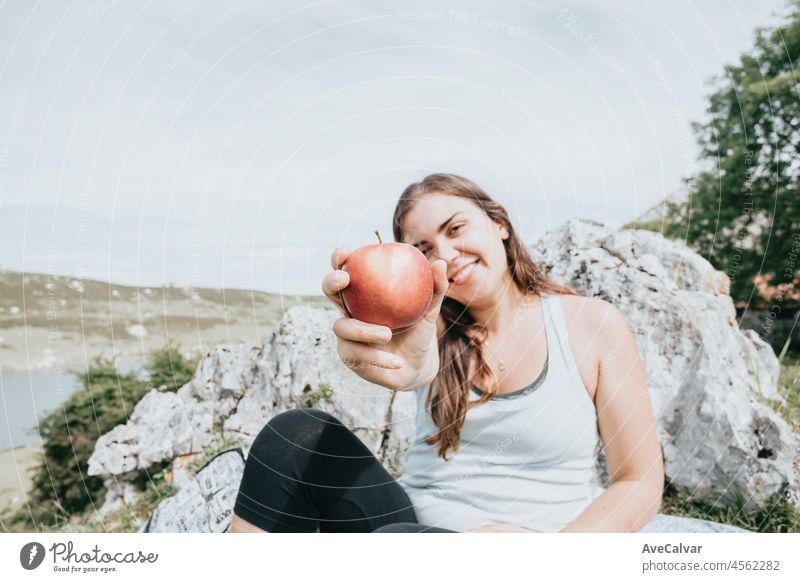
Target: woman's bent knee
column 301, row 418
column 297, row 427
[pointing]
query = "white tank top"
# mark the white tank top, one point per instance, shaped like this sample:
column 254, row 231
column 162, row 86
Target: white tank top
column 525, row 457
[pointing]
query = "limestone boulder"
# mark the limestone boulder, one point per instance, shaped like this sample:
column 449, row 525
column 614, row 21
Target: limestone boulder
column 236, row 390
column 300, row 368
column 709, row 381
column 204, row 503
column 165, row 425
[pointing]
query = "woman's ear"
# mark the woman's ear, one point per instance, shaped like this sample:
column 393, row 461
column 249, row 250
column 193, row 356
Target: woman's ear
column 503, row 229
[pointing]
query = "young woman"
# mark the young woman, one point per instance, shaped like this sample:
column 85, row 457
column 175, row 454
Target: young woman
column 516, row 385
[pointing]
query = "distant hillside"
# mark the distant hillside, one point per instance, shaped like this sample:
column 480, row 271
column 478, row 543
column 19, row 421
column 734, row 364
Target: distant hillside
column 47, row 320
column 654, row 218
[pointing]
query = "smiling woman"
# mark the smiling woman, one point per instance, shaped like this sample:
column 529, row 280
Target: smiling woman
column 506, row 435
column 493, row 279
column 524, row 446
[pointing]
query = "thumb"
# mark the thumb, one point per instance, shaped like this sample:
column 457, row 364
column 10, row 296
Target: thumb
column 440, row 287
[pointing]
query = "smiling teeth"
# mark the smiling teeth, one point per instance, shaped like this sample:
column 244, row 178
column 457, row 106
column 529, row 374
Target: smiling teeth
column 463, row 272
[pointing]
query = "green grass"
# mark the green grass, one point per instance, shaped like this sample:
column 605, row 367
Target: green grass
column 314, row 397
column 201, row 459
column 789, row 387
column 776, row 516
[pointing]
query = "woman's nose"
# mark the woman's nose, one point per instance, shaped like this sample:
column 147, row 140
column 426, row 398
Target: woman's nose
column 445, row 252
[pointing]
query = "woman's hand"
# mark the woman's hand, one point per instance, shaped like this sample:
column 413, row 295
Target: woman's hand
column 396, row 359
column 498, row 528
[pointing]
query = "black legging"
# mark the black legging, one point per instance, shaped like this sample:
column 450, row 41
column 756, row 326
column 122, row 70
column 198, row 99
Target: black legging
column 306, row 471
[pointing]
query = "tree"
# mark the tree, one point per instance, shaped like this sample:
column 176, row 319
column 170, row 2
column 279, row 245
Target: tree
column 744, row 210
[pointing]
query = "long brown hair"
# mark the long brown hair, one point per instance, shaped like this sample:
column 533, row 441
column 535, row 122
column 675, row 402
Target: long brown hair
column 463, row 336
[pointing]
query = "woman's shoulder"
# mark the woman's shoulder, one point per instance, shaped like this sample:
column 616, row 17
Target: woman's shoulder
column 591, row 312
column 589, row 305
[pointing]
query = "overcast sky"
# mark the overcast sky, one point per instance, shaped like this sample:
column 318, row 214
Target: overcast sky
column 200, row 144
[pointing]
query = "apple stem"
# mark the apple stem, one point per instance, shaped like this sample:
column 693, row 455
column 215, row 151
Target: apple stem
column 379, row 237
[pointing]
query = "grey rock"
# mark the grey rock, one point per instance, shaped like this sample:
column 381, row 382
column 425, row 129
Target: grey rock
column 708, row 380
column 240, row 387
column 204, row 503
column 165, row 425
column 300, row 368
column 119, row 494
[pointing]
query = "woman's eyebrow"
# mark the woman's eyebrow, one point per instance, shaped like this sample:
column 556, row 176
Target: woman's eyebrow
column 441, row 227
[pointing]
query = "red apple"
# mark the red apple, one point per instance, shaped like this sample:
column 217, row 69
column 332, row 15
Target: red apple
column 391, row 284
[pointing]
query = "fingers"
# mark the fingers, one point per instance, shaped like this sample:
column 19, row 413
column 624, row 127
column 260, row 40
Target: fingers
column 359, row 331
column 360, row 356
column 354, row 349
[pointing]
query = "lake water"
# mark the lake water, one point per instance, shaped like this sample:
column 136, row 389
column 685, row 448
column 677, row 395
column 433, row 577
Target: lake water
column 28, row 396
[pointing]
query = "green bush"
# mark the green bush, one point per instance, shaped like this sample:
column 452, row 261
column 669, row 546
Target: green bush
column 61, row 489
column 168, row 369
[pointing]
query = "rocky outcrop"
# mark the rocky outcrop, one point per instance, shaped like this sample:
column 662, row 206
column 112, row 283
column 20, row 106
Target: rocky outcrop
column 204, row 503
column 237, row 388
column 709, row 381
column 166, row 425
column 299, row 367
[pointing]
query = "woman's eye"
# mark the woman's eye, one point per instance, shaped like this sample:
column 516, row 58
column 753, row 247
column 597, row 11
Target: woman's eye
column 452, row 230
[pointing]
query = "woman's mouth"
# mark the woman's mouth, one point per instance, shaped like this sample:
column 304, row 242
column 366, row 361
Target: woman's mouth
column 464, row 274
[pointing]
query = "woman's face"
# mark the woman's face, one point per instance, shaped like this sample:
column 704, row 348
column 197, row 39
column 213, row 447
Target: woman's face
column 458, row 231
